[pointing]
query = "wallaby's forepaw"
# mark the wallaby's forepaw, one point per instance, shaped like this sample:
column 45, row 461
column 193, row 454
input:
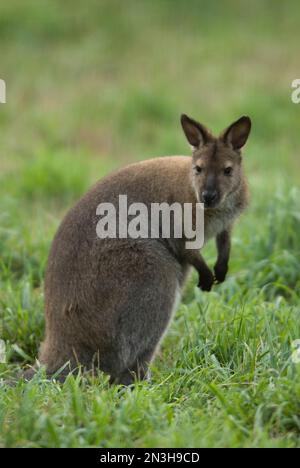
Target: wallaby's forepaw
column 206, row 281
column 220, row 270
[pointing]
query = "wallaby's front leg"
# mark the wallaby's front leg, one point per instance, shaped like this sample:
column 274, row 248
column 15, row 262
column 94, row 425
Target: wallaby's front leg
column 223, row 242
column 206, row 277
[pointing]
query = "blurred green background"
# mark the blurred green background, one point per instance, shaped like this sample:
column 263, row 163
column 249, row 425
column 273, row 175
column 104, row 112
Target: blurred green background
column 95, row 85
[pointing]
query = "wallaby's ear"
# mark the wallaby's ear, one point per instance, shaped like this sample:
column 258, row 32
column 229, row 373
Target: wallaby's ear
column 237, row 133
column 196, row 134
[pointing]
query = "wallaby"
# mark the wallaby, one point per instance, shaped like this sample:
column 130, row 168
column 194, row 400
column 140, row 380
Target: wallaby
column 108, row 301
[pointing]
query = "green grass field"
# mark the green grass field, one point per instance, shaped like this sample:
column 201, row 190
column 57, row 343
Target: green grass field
column 95, row 85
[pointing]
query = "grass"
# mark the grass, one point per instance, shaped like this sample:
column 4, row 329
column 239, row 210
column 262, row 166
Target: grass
column 94, row 87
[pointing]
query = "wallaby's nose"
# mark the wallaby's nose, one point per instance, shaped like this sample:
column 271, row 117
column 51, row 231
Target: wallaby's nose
column 209, row 196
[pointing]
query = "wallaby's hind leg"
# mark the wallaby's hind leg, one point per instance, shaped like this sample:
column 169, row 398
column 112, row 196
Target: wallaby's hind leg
column 138, row 371
column 121, row 325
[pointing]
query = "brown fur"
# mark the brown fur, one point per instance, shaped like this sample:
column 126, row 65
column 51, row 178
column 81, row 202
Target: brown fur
column 109, row 301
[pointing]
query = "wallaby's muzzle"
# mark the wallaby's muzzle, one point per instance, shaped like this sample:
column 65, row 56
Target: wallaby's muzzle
column 210, row 198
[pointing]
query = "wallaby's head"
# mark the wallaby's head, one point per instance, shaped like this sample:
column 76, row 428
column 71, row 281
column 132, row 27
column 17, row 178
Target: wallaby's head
column 216, row 170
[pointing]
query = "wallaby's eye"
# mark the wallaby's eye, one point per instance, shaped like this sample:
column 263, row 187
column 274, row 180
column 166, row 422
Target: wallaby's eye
column 198, row 169
column 228, row 171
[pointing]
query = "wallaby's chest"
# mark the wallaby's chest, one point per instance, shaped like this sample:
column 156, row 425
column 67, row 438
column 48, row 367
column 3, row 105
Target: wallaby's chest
column 219, row 220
